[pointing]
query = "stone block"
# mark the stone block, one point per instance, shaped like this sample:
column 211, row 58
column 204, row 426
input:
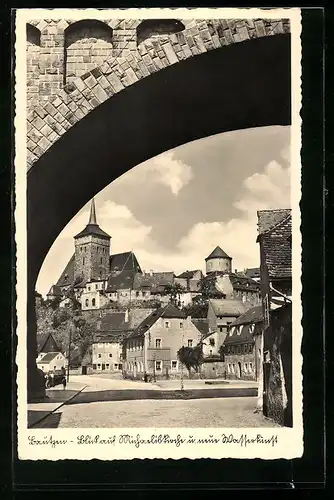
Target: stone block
column 99, row 93
column 53, row 137
column 199, row 44
column 170, row 54
column 243, row 33
column 35, row 135
column 46, row 130
column 90, row 81
column 44, row 144
column 63, row 109
column 115, row 82
column 228, row 36
column 259, row 28
column 216, row 41
column 143, row 68
column 131, row 76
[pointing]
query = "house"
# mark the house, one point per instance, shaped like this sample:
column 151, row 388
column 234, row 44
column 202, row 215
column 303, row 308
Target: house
column 275, row 238
column 190, row 281
column 221, row 313
column 51, row 362
column 253, row 273
column 45, row 344
column 152, row 347
column 112, row 328
column 242, row 356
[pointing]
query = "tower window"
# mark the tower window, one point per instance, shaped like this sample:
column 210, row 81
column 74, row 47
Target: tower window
column 83, row 260
column 93, row 302
column 87, row 303
column 101, row 260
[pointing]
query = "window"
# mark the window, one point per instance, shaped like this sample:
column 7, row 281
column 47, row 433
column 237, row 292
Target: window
column 251, row 328
column 239, row 349
column 101, row 260
column 137, row 294
column 158, row 366
column 229, row 368
column 210, row 352
column 99, row 366
column 110, row 355
column 174, row 365
column 250, row 367
column 238, row 330
column 93, row 302
column 107, row 366
column 86, row 302
column 246, row 367
column 157, row 343
column 96, row 286
column 88, row 288
column 167, row 324
column 83, row 260
column 232, row 368
column 115, row 366
column 221, row 329
column 99, row 355
column 181, row 324
column 212, row 342
column 190, row 343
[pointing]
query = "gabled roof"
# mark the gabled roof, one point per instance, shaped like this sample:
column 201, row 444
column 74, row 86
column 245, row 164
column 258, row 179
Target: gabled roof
column 276, row 245
column 154, row 282
column 42, row 338
column 120, row 281
column 167, row 312
column 188, row 275
column 218, row 253
column 241, row 281
column 253, row 272
column 246, row 334
column 55, row 291
column 227, row 307
column 202, row 325
column 253, row 315
column 67, row 276
column 48, row 357
column 126, row 261
column 268, row 219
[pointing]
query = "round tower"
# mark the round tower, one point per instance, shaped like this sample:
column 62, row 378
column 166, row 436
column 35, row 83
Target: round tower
column 218, row 261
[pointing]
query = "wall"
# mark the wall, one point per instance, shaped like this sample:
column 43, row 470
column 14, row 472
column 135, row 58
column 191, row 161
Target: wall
column 56, row 364
column 107, row 354
column 278, row 367
column 218, row 264
column 232, row 362
column 100, row 300
column 33, row 72
column 213, row 369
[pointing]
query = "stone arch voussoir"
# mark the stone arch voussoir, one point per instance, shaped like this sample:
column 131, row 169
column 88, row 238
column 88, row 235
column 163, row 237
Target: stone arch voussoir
column 49, row 120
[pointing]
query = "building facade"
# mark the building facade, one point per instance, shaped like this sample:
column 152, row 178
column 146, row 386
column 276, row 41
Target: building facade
column 153, row 346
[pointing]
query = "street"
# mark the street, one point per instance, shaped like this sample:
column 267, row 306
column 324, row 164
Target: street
column 112, row 403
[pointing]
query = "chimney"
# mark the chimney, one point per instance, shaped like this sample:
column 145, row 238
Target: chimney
column 126, row 316
column 235, row 270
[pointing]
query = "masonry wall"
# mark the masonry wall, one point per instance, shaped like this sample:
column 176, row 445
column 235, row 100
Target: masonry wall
column 240, row 366
column 278, row 367
column 91, row 258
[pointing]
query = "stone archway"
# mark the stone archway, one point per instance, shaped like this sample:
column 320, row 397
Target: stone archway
column 214, row 92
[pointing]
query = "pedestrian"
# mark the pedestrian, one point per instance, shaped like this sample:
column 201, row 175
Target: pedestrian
column 64, row 383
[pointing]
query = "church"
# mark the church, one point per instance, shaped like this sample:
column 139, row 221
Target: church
column 101, row 279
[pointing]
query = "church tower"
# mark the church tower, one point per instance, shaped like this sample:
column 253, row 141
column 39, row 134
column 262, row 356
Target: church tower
column 92, row 251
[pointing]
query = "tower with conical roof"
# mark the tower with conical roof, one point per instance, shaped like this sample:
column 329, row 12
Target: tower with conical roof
column 218, row 261
column 92, row 251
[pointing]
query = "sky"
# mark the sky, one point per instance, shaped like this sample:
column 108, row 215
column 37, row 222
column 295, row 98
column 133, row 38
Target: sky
column 174, row 209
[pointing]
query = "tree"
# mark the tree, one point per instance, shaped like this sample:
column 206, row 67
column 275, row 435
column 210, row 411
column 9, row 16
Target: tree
column 191, row 357
column 174, row 290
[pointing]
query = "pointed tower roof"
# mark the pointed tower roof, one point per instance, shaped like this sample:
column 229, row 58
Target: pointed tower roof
column 92, row 226
column 218, row 253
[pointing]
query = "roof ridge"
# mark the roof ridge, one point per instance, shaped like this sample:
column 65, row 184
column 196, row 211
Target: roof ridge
column 277, row 224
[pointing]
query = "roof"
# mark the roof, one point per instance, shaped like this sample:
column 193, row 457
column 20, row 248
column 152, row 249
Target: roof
column 55, row 291
column 92, row 229
column 241, row 281
column 245, row 335
column 113, row 321
column 253, row 272
column 227, row 307
column 67, row 276
column 154, row 282
column 113, row 327
column 218, row 253
column 48, row 357
column 253, row 315
column 120, row 281
column 42, row 339
column 202, row 325
column 276, row 245
column 168, row 312
column 268, row 219
column 126, row 261
column 188, row 275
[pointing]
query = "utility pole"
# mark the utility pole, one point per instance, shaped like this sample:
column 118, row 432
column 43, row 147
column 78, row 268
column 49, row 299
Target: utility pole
column 154, row 379
column 182, row 386
column 69, row 355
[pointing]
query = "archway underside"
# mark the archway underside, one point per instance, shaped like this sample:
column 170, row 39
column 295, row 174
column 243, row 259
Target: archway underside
column 242, row 86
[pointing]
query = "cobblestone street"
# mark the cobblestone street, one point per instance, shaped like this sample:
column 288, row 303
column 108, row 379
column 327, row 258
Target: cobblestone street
column 135, row 407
